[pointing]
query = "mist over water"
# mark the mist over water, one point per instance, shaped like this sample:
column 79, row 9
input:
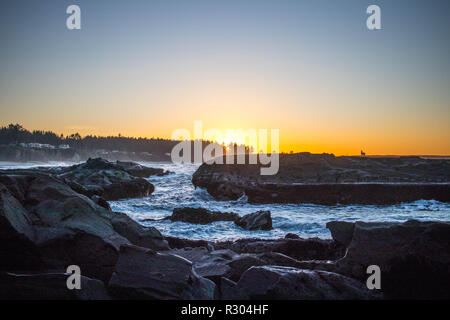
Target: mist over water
column 306, row 220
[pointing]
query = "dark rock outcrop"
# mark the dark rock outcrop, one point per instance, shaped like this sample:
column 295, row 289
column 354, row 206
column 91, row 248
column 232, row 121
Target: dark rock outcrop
column 108, row 180
column 285, row 283
column 299, row 249
column 49, row 286
column 260, row 220
column 200, row 215
column 179, row 243
column 101, row 202
column 413, row 257
column 138, row 170
column 146, row 274
column 224, row 263
column 209, row 264
column 46, row 225
column 99, row 177
column 329, row 180
column 341, row 231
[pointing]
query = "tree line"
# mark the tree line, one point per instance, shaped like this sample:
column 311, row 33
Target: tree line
column 16, row 134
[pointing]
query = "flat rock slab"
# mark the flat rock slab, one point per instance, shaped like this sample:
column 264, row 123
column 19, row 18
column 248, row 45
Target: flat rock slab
column 146, row 274
column 329, row 180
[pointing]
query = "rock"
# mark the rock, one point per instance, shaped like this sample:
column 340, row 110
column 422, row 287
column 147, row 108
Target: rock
column 112, row 181
column 209, row 264
column 227, row 290
column 291, row 236
column 329, row 180
column 16, row 234
column 285, row 283
column 179, row 243
column 146, row 274
column 52, row 226
column 260, row 220
column 49, row 286
column 134, row 188
column 71, row 229
column 147, row 237
column 138, row 170
column 216, row 264
column 341, row 231
column 277, row 259
column 201, row 215
column 240, row 264
column 413, row 257
column 299, row 249
column 101, row 202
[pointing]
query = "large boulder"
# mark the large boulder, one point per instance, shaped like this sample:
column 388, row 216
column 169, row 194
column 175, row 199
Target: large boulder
column 50, row 226
column 201, row 215
column 16, row 234
column 109, row 180
column 49, row 286
column 260, row 220
column 413, row 257
column 146, row 274
column 286, row 283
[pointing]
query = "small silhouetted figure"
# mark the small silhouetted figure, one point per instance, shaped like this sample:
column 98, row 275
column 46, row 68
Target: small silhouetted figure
column 363, row 154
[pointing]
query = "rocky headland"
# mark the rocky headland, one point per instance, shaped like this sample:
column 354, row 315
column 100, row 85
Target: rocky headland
column 329, row 180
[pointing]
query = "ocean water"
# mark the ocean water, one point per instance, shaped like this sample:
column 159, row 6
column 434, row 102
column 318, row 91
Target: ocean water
column 306, row 220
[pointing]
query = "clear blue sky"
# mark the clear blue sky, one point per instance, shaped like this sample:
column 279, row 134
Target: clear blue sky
column 310, row 68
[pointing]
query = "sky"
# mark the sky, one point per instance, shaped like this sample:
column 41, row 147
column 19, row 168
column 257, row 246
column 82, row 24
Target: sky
column 311, row 69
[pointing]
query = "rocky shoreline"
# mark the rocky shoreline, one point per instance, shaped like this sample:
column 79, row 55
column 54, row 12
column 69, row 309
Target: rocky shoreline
column 329, row 180
column 52, row 218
